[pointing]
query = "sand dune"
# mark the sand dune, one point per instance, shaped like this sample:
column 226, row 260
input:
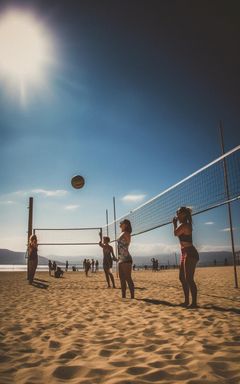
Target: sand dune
column 75, row 330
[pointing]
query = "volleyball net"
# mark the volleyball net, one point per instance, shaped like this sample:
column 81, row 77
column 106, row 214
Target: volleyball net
column 67, row 236
column 213, row 185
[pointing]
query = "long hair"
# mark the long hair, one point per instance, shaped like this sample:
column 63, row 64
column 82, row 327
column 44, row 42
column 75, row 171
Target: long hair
column 128, row 226
column 31, row 239
column 188, row 214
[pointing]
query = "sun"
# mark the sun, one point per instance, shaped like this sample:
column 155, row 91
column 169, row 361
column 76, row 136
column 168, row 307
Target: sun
column 25, row 49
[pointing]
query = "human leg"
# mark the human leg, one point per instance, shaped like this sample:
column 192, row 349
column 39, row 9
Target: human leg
column 190, row 266
column 128, row 275
column 184, row 283
column 122, row 279
column 112, row 278
column 106, row 271
column 32, row 269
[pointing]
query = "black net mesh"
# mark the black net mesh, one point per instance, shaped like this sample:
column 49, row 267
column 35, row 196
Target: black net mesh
column 202, row 191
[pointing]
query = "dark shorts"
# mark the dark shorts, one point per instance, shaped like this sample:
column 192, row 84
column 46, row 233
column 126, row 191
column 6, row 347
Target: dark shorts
column 189, row 252
column 107, row 265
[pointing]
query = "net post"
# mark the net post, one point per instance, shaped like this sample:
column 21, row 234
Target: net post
column 115, row 232
column 30, row 228
column 228, row 204
column 107, row 222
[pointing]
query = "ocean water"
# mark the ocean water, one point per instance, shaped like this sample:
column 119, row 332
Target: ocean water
column 20, row 267
column 43, row 268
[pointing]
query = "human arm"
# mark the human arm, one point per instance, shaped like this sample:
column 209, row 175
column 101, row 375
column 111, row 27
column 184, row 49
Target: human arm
column 177, row 229
column 113, row 255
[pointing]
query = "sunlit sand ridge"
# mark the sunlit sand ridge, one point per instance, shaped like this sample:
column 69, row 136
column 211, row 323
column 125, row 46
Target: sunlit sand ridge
column 76, row 330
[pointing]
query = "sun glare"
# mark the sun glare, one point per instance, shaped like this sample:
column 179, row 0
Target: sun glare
column 24, row 49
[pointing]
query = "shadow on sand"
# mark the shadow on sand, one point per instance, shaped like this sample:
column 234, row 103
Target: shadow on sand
column 221, row 309
column 39, row 284
column 41, row 280
column 159, row 302
column 208, row 306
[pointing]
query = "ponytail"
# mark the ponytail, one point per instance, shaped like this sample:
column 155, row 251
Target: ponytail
column 188, row 213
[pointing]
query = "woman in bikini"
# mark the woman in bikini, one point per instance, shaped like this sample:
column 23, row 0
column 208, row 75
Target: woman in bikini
column 32, row 257
column 125, row 259
column 182, row 224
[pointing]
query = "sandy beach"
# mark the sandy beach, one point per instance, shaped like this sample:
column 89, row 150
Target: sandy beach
column 75, row 330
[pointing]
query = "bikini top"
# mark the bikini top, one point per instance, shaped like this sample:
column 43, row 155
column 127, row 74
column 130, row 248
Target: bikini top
column 185, row 238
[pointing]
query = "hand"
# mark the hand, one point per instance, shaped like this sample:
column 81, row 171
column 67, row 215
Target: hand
column 175, row 220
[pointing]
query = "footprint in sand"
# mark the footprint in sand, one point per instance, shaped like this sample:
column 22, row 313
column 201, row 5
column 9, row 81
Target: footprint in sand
column 25, row 337
column 157, row 376
column 157, row 364
column 137, row 370
column 150, row 348
column 68, row 372
column 105, row 353
column 54, row 344
column 70, row 355
column 98, row 372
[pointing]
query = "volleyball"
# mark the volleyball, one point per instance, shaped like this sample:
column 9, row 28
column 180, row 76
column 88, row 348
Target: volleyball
column 77, row 182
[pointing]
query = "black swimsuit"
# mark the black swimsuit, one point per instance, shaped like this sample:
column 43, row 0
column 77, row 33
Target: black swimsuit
column 185, row 238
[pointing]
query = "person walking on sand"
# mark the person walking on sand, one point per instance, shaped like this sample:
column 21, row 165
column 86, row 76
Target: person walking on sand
column 33, row 257
column 54, row 266
column 108, row 257
column 96, row 266
column 87, row 267
column 50, row 267
column 92, row 265
column 125, row 259
column 189, row 257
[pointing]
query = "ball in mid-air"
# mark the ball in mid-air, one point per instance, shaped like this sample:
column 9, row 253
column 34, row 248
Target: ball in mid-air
column 77, row 182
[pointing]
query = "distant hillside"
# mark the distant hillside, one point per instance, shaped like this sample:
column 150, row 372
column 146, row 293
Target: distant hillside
column 206, row 258
column 11, row 257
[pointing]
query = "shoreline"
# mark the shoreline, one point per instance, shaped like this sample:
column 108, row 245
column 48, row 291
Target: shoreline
column 44, row 267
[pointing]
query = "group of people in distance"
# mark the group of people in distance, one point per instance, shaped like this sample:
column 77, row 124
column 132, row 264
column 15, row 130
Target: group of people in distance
column 57, row 271
column 90, row 265
column 182, row 228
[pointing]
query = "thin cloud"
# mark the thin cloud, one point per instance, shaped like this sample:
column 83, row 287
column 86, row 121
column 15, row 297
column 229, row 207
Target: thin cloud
column 213, row 248
column 19, row 193
column 40, row 191
column 7, row 202
column 151, row 249
column 50, row 193
column 209, row 223
column 71, row 207
column 133, row 198
column 226, row 229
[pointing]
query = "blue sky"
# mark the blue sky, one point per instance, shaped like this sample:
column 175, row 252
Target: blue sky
column 131, row 98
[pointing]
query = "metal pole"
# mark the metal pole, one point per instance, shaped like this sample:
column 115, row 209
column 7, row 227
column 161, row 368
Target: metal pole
column 228, row 205
column 107, row 221
column 100, row 234
column 30, row 225
column 115, row 232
